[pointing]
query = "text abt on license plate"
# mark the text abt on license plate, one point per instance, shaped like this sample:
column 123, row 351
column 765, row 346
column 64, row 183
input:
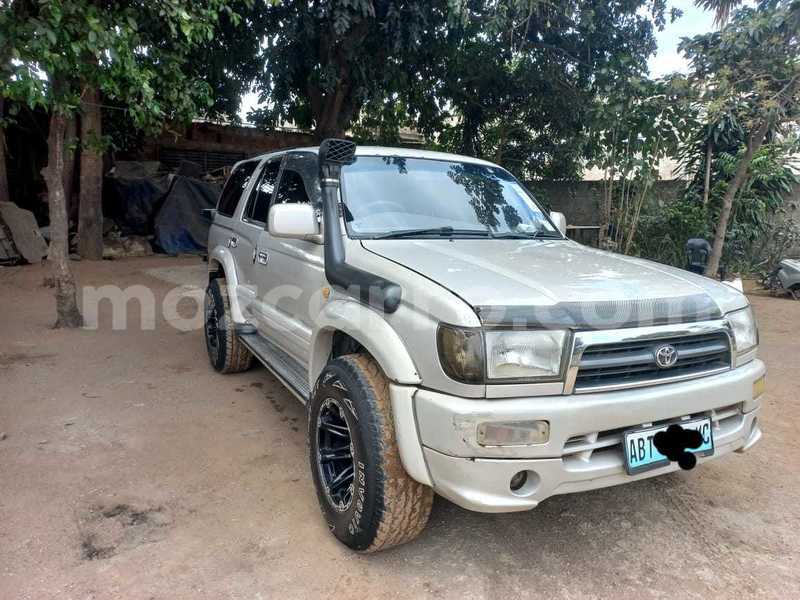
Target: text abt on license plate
column 641, row 453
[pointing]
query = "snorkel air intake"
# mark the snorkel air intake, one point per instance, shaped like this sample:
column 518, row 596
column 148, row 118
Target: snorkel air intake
column 371, row 289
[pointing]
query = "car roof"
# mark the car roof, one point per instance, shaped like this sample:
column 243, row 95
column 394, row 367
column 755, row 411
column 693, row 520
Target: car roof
column 388, row 151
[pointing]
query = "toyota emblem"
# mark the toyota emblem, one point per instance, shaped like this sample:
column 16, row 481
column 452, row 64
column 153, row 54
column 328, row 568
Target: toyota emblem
column 666, row 356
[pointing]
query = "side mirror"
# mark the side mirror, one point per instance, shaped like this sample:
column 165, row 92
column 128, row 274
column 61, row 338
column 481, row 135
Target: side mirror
column 560, row 221
column 292, row 220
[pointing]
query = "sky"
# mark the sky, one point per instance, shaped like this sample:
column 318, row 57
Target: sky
column 693, row 22
column 667, row 59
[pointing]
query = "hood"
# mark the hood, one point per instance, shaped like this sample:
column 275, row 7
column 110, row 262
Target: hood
column 549, row 281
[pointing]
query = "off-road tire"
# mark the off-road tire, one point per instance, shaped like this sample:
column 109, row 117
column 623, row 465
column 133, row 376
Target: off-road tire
column 388, row 508
column 226, row 352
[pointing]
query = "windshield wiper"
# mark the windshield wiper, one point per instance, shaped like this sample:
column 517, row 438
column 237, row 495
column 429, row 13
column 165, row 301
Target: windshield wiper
column 441, row 231
column 534, row 235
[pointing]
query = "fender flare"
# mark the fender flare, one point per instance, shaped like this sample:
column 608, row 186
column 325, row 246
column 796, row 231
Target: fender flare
column 222, row 258
column 368, row 328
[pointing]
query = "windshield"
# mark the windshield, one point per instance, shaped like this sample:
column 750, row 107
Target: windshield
column 416, row 197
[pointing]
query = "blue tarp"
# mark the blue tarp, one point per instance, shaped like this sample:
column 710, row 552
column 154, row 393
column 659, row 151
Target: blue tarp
column 181, row 226
column 135, row 201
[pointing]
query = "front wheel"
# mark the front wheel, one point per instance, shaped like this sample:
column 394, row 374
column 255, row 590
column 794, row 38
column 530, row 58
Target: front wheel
column 367, row 498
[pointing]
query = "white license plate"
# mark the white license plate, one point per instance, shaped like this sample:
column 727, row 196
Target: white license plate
column 641, row 453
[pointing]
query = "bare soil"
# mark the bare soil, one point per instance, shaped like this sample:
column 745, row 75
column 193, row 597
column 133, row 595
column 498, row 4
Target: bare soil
column 129, row 469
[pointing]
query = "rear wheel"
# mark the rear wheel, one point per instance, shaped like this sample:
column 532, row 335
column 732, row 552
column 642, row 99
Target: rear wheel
column 226, row 351
column 367, row 498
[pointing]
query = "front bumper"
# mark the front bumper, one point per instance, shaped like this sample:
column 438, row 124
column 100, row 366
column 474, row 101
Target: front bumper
column 437, row 436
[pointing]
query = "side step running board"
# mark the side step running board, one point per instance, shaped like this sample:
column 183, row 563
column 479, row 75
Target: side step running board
column 287, row 369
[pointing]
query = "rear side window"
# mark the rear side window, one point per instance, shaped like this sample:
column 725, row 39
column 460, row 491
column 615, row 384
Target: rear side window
column 260, row 197
column 234, row 188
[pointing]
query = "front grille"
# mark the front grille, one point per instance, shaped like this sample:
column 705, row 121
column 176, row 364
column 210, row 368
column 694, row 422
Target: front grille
column 633, row 364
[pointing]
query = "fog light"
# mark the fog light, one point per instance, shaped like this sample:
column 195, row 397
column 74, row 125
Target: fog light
column 759, row 386
column 513, row 433
column 518, row 480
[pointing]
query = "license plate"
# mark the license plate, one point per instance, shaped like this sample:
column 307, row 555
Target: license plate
column 641, row 453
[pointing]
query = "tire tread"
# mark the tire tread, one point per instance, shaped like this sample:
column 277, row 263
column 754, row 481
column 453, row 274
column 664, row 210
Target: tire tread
column 406, row 503
column 238, row 357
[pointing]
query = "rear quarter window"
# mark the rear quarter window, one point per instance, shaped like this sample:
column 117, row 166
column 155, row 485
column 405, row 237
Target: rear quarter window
column 235, row 187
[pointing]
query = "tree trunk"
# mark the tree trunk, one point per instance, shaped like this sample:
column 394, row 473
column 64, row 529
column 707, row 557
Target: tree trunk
column 70, row 138
column 754, row 142
column 327, row 129
column 607, row 201
column 470, row 144
column 90, row 211
column 67, row 313
column 707, row 179
column 334, row 111
column 498, row 155
column 4, row 190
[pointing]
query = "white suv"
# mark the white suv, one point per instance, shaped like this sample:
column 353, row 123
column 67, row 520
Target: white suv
column 445, row 336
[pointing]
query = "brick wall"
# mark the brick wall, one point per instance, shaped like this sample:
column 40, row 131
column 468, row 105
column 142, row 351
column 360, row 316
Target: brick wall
column 213, row 146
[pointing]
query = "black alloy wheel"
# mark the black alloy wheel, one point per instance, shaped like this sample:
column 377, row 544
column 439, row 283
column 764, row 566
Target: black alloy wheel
column 335, row 460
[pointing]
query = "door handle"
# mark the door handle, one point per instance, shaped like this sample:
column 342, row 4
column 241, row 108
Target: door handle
column 233, row 242
column 263, row 257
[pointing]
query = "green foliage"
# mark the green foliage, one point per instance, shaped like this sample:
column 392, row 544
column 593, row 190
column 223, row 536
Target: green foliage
column 510, row 80
column 634, row 128
column 746, row 77
column 231, row 60
column 760, row 229
column 134, row 53
column 749, row 68
column 665, row 228
column 642, row 123
column 521, row 79
column 325, row 61
column 759, row 214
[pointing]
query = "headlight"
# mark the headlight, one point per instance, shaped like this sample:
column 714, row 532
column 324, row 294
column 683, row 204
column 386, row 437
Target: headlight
column 461, row 353
column 744, row 328
column 524, row 354
column 507, row 355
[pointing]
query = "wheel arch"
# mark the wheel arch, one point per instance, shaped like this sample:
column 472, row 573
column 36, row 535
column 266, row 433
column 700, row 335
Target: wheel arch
column 346, row 326
column 222, row 265
column 216, row 270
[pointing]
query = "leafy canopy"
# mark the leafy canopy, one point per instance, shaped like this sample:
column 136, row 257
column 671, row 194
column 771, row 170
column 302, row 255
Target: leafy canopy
column 327, row 59
column 513, row 80
column 521, row 78
column 749, row 70
column 133, row 52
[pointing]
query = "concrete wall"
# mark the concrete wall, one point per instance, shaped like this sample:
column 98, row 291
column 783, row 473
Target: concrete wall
column 580, row 200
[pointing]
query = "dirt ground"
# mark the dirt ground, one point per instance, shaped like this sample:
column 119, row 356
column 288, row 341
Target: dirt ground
column 128, row 469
